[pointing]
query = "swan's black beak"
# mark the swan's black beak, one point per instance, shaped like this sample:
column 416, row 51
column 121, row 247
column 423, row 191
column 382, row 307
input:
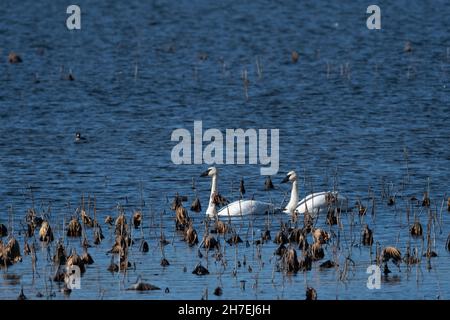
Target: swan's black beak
column 286, row 179
column 205, row 174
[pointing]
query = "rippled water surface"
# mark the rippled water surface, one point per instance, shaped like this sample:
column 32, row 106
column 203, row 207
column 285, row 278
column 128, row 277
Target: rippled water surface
column 356, row 113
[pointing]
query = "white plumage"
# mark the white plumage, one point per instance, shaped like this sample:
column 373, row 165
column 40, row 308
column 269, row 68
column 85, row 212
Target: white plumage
column 312, row 203
column 236, row 208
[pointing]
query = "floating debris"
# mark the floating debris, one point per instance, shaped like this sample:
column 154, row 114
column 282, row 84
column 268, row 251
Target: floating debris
column 10, row 253
column 144, row 246
column 98, row 236
column 311, row 294
column 265, row 236
column 14, row 58
column 109, row 220
column 190, row 235
column 32, row 218
column 331, row 217
column 75, row 260
column 234, row 239
column 137, row 219
column 298, row 236
column 430, row 254
column 308, row 222
column 86, row 219
column 181, row 218
column 120, row 244
column 45, row 233
column 320, row 236
column 22, row 295
column 210, row 243
column 317, row 252
column 200, row 270
column 362, row 210
column 69, row 77
column 124, row 263
column 268, row 184
column 281, row 237
column 165, row 262
column 74, row 229
column 426, row 200
column 60, row 274
column 367, row 236
column 241, row 187
column 163, row 241
column 85, row 243
column 220, row 227
column 280, row 250
column 60, row 256
column 196, row 206
column 386, row 270
column 416, row 229
column 26, row 248
column 410, row 259
column 167, row 290
column 121, row 225
column 290, row 261
column 113, row 267
column 391, row 201
column 30, row 230
column 328, row 264
column 177, row 202
column 448, row 204
column 218, row 291
column 87, row 259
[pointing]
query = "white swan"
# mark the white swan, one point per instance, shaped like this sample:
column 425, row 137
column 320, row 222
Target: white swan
column 314, row 202
column 236, row 208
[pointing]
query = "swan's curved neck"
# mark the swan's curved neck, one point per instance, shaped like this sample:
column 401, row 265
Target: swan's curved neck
column 213, row 185
column 294, row 198
column 211, row 206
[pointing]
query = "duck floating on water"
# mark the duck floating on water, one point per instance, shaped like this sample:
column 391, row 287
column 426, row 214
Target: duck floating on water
column 79, row 138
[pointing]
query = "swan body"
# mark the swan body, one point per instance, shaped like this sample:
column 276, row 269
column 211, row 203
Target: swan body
column 236, row 208
column 245, row 207
column 321, row 202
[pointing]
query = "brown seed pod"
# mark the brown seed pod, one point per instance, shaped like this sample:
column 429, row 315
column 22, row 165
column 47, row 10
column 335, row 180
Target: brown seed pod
column 367, row 236
column 137, row 219
column 74, row 229
column 45, row 233
column 416, row 229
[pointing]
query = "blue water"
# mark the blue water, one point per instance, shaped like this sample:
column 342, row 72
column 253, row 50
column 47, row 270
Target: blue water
column 355, row 113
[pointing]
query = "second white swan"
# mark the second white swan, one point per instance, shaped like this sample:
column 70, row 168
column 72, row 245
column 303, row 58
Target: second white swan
column 314, row 202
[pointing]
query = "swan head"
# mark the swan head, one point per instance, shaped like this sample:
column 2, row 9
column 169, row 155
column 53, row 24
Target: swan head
column 290, row 176
column 211, row 172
